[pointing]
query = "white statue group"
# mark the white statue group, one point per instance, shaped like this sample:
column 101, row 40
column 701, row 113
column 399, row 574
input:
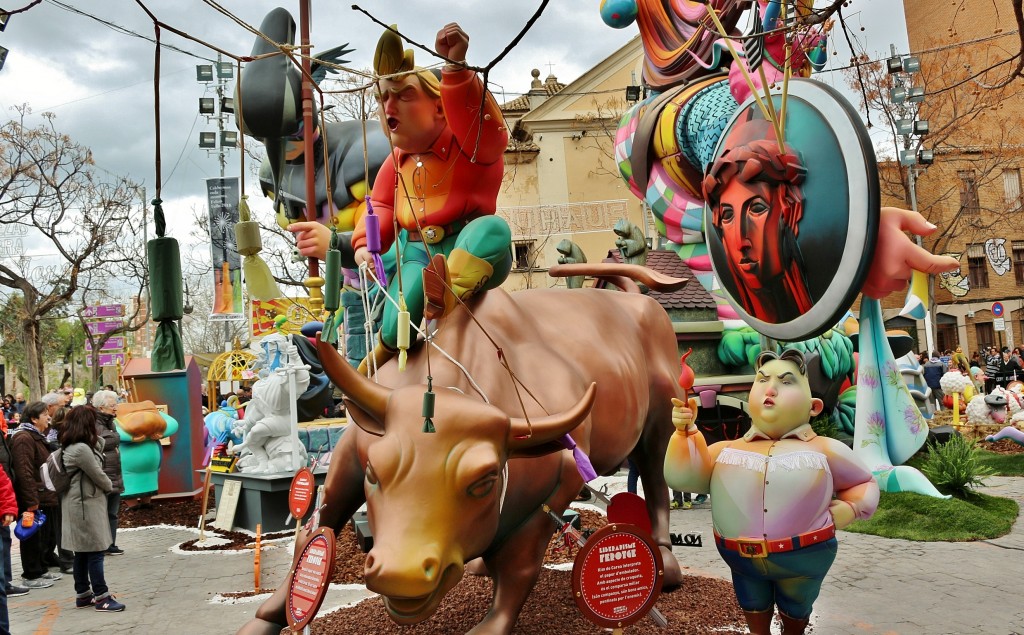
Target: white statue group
column 270, row 440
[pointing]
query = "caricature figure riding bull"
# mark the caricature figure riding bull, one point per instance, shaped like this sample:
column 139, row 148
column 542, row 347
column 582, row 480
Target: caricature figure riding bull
column 476, row 486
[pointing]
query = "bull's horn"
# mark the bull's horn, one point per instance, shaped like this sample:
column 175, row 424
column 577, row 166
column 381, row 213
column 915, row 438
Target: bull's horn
column 370, row 396
column 546, row 429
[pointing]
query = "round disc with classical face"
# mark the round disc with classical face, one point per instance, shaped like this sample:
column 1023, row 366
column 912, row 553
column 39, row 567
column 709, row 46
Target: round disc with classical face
column 791, row 232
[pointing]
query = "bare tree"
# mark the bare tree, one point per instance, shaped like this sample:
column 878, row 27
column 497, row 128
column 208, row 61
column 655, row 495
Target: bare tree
column 49, row 187
column 969, row 133
column 128, row 259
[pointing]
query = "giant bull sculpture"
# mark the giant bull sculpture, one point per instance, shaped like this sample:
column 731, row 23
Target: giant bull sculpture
column 604, row 362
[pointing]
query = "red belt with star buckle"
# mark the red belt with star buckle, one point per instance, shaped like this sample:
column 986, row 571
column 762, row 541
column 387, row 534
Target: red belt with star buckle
column 759, row 548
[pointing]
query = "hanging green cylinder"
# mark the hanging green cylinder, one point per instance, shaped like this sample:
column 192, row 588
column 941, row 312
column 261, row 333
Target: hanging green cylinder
column 428, row 404
column 332, row 286
column 165, row 279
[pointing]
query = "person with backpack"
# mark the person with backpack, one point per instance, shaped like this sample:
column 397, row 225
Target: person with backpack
column 105, row 403
column 29, row 451
column 86, row 529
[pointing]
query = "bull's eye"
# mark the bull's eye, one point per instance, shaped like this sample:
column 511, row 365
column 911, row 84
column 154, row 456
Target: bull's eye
column 483, row 486
column 371, row 476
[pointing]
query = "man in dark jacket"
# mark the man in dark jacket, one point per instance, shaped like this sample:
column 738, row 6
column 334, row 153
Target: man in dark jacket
column 1009, row 369
column 933, row 370
column 106, row 402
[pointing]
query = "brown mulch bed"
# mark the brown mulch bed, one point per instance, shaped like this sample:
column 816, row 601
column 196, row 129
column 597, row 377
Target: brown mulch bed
column 1006, row 446
column 186, row 513
column 701, row 605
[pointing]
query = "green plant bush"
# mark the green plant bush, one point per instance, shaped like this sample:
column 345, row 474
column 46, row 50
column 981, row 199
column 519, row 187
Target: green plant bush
column 954, row 467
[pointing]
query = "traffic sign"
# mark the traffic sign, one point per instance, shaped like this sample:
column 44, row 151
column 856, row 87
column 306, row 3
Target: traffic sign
column 113, row 344
column 997, row 310
column 106, row 326
column 103, row 311
column 108, row 358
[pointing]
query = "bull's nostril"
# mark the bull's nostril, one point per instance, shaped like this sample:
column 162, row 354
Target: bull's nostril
column 370, row 563
column 430, row 568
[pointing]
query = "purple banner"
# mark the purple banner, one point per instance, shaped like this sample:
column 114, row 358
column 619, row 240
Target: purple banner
column 113, row 344
column 107, row 359
column 103, row 311
column 106, row 326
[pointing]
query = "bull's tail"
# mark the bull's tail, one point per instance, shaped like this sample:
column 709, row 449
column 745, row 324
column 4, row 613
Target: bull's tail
column 621, row 275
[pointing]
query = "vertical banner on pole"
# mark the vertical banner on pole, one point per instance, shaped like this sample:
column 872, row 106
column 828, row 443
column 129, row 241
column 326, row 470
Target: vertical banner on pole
column 223, row 195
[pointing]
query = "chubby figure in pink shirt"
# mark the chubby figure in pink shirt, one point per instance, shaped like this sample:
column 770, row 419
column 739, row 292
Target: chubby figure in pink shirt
column 778, row 494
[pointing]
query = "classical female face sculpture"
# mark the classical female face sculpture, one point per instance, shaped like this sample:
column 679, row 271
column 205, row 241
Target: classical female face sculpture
column 756, row 203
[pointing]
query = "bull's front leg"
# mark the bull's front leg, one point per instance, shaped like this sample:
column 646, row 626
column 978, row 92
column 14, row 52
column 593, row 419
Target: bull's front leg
column 649, row 456
column 516, row 564
column 343, row 495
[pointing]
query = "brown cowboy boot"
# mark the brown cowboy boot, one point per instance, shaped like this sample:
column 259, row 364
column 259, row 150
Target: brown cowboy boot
column 381, row 354
column 437, row 295
column 760, row 622
column 791, row 625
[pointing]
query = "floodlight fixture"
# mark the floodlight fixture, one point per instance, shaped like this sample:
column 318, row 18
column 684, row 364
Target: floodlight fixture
column 229, row 139
column 916, row 94
column 904, row 127
column 898, row 95
column 911, row 64
column 925, row 157
column 3, row 57
column 4, row 18
column 908, row 157
column 227, row 105
column 894, row 65
column 632, row 94
column 208, row 140
column 921, row 127
column 207, row 106
column 225, row 70
column 204, row 73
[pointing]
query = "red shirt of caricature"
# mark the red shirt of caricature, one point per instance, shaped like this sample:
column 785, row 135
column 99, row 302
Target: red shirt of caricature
column 756, row 206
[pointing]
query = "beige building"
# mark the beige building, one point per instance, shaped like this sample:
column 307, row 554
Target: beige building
column 561, row 181
column 972, row 191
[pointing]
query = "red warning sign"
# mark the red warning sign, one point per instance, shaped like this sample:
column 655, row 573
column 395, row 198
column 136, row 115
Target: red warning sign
column 617, row 576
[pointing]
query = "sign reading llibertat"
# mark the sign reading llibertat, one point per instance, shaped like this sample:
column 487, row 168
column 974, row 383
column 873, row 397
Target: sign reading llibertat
column 223, row 196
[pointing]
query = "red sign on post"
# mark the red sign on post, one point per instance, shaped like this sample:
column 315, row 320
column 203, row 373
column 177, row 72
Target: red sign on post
column 311, row 579
column 617, row 576
column 301, row 493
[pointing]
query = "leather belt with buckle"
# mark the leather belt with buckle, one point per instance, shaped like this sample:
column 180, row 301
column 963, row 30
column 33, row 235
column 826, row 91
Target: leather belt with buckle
column 760, row 548
column 433, row 234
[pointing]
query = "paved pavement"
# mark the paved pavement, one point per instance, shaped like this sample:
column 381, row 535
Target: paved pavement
column 876, row 586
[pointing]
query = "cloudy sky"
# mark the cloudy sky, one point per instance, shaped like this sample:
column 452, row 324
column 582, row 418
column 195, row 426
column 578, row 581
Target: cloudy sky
column 87, row 61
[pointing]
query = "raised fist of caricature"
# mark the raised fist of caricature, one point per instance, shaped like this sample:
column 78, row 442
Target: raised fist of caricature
column 452, row 42
column 682, row 414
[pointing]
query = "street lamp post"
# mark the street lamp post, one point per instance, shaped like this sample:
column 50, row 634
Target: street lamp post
column 910, row 131
column 218, row 109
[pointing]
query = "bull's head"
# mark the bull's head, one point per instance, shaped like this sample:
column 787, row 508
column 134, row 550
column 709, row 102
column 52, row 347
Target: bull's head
column 434, row 498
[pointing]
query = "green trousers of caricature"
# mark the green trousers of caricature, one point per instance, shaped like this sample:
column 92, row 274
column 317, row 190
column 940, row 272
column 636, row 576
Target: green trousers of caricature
column 487, row 239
